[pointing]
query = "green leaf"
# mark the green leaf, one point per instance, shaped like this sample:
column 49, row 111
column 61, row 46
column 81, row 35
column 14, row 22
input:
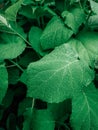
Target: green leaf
column 79, row 15
column 42, row 120
column 13, row 75
column 90, row 42
column 93, row 22
column 11, row 27
column 60, row 110
column 11, row 11
column 60, row 5
column 11, row 46
column 74, row 18
column 94, row 6
column 58, row 76
column 23, row 77
column 55, row 34
column 11, row 122
column 4, row 22
column 3, row 81
column 27, row 11
column 81, row 50
column 27, row 2
column 27, row 119
column 73, row 1
column 85, row 109
column 27, row 57
column 34, row 38
column 8, row 98
column 96, row 63
column 24, row 106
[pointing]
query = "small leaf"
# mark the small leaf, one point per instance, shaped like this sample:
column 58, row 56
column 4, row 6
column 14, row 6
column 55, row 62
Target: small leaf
column 3, row 81
column 11, row 46
column 85, row 109
column 58, row 75
column 11, row 11
column 55, row 34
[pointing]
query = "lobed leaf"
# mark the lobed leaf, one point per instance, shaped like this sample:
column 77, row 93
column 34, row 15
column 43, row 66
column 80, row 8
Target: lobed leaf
column 58, row 76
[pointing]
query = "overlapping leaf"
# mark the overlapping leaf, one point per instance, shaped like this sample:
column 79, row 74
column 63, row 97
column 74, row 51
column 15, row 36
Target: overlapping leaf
column 55, row 34
column 58, row 76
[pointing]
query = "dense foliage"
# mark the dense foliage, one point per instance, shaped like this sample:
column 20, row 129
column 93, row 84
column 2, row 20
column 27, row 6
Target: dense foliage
column 48, row 65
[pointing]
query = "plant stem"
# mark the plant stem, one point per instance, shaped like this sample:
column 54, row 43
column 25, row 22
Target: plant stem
column 17, row 65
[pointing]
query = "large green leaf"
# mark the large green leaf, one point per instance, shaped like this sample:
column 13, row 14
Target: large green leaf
column 11, row 46
column 90, row 42
column 42, row 120
column 85, row 109
column 58, row 76
column 3, row 81
column 11, row 11
column 55, row 34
